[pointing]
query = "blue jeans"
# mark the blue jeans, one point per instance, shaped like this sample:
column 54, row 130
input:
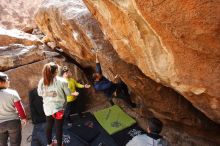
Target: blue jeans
column 39, row 135
column 10, row 129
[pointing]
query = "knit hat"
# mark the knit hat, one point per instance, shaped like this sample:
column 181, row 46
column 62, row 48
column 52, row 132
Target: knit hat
column 64, row 69
column 3, row 77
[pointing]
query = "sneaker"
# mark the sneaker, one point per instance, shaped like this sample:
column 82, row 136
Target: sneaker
column 69, row 124
column 81, row 115
column 54, row 142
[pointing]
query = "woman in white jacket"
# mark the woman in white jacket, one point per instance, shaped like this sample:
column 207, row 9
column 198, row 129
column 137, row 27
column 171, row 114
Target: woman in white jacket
column 54, row 90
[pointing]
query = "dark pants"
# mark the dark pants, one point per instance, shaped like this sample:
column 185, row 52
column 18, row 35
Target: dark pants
column 76, row 106
column 121, row 90
column 11, row 129
column 39, row 135
column 70, row 109
column 59, row 130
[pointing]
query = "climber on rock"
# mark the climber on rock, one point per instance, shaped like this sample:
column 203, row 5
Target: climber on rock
column 101, row 83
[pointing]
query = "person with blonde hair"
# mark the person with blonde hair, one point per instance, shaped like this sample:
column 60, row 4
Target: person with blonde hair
column 54, row 90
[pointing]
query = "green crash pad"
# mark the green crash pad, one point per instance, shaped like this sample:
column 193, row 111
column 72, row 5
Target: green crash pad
column 113, row 119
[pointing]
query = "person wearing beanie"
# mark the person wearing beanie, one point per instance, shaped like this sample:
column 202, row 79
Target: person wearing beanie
column 152, row 137
column 11, row 113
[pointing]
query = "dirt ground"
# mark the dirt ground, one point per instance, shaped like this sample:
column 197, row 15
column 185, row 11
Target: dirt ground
column 26, row 132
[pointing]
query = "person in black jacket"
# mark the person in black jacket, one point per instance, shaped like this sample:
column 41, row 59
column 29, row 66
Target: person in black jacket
column 38, row 118
column 101, row 83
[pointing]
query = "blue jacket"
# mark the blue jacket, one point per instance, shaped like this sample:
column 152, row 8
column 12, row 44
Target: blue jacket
column 104, row 84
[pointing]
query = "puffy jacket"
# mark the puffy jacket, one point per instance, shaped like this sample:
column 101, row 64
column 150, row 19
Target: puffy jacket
column 146, row 140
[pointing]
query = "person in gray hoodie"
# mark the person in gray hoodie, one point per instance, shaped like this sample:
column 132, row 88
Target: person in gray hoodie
column 152, row 137
column 11, row 111
column 54, row 90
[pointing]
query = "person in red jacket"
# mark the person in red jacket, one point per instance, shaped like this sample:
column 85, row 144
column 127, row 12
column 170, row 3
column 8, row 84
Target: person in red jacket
column 11, row 111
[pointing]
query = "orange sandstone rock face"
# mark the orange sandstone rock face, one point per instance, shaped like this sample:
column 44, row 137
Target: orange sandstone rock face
column 175, row 43
column 15, row 36
column 66, row 24
column 70, row 26
column 18, row 14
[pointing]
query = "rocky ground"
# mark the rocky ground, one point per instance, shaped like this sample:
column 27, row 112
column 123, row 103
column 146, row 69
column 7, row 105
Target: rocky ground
column 26, row 134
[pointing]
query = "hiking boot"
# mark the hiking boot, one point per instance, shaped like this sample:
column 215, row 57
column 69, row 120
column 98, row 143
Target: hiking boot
column 69, row 124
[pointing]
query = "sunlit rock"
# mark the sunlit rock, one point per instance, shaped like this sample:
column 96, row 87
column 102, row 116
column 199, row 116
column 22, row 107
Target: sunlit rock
column 70, row 26
column 173, row 42
column 18, row 14
column 18, row 48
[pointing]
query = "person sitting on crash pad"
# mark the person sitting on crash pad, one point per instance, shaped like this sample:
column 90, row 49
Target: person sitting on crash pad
column 152, row 137
column 101, row 83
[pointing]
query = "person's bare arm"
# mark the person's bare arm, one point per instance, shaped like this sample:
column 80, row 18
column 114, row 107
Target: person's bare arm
column 75, row 93
column 87, row 86
column 98, row 65
column 96, row 58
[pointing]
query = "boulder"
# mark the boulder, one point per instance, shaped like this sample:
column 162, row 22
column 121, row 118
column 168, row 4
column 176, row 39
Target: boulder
column 18, row 48
column 71, row 27
column 18, row 14
column 68, row 32
column 175, row 43
column 15, row 36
